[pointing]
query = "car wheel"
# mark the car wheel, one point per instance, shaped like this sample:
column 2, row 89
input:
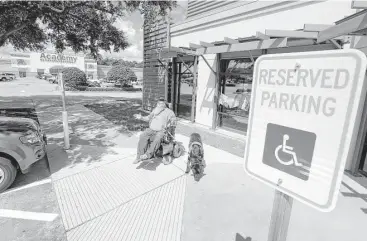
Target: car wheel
column 3, row 79
column 7, row 173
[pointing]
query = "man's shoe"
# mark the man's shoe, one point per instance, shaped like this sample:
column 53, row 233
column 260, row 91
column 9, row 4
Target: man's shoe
column 137, row 160
column 144, row 157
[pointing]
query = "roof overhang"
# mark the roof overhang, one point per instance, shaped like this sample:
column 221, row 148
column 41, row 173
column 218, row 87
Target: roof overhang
column 355, row 24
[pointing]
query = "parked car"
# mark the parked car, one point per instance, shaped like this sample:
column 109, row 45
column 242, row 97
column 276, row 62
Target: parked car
column 52, row 79
column 11, row 75
column 239, row 91
column 22, row 143
column 93, row 83
column 47, row 76
column 138, row 85
column 230, row 83
column 7, row 76
column 118, row 85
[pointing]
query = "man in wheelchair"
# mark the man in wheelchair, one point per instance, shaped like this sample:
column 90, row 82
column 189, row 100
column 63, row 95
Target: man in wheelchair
column 162, row 122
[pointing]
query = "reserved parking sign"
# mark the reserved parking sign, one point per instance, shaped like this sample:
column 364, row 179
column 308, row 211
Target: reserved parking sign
column 304, row 114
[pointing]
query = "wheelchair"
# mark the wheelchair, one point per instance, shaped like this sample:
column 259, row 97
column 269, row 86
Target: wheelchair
column 169, row 148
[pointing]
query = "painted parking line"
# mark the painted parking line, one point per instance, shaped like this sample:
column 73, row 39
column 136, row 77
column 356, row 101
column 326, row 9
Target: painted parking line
column 46, row 217
column 33, row 184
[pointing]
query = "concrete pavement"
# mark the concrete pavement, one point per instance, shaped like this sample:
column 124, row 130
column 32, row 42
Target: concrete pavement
column 102, row 196
column 98, row 186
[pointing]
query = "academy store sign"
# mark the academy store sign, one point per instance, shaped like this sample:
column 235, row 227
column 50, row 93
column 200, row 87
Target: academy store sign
column 57, row 58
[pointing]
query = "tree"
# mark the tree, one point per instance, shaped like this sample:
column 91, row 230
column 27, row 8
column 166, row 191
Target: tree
column 121, row 74
column 86, row 26
column 74, row 77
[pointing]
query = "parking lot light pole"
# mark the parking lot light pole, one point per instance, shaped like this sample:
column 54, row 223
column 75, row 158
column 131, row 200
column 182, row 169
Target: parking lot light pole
column 64, row 115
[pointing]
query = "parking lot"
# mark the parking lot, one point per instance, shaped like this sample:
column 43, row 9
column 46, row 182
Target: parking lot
column 29, row 208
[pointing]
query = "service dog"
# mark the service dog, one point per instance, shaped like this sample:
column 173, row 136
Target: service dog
column 195, row 160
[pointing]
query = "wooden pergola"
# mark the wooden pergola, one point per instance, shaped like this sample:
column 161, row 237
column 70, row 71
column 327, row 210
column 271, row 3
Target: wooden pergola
column 270, row 39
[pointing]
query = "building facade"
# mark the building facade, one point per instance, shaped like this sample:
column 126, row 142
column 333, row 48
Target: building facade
column 211, row 21
column 223, row 70
column 154, row 75
column 33, row 63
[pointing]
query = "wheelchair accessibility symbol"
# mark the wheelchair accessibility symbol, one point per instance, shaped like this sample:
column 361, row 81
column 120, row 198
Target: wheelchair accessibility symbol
column 289, row 150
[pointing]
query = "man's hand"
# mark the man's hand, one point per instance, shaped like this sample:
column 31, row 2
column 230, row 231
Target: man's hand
column 138, row 116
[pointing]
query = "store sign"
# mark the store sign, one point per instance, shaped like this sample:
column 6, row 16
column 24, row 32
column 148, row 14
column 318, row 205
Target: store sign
column 303, row 118
column 58, row 58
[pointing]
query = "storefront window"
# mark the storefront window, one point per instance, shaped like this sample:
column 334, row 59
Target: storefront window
column 234, row 101
column 22, row 74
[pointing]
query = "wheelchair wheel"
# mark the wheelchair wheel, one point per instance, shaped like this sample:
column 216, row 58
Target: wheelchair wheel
column 178, row 150
column 167, row 159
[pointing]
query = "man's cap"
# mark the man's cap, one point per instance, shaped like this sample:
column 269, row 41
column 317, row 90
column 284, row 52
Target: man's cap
column 161, row 99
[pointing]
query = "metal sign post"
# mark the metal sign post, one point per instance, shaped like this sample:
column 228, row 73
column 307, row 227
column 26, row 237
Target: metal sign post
column 64, row 114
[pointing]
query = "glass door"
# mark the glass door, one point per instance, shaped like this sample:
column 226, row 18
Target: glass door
column 183, row 87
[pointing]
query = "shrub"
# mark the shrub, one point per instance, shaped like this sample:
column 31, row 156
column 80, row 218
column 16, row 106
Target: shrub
column 73, row 77
column 121, row 74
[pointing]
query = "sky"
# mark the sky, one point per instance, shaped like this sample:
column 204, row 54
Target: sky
column 132, row 25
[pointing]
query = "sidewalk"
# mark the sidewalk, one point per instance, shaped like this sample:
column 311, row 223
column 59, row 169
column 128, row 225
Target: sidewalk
column 103, row 196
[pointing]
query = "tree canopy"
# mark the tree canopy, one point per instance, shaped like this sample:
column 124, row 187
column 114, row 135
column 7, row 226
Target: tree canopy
column 121, row 74
column 114, row 61
column 84, row 26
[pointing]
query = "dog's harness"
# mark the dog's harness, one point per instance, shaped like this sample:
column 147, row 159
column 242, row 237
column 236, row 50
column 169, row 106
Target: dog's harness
column 196, row 143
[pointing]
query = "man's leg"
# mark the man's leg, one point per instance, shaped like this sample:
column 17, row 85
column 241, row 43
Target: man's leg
column 156, row 142
column 143, row 142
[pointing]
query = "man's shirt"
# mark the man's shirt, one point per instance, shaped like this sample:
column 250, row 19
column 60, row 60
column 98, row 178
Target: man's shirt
column 160, row 118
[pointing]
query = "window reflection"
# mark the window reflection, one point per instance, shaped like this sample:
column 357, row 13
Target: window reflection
column 235, row 98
